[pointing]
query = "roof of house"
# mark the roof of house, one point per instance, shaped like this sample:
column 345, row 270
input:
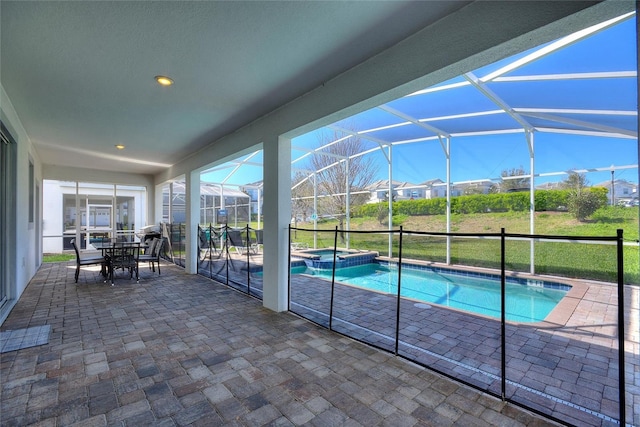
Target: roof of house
column 618, row 182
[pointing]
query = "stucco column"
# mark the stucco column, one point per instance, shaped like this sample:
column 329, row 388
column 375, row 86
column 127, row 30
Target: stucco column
column 277, row 216
column 192, row 205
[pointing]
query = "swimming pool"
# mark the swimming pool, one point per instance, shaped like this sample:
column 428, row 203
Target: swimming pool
column 525, row 302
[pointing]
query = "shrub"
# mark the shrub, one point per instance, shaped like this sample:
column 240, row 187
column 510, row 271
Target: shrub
column 545, row 200
column 582, row 203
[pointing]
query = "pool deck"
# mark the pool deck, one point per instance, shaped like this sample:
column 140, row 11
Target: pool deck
column 179, row 349
column 565, row 366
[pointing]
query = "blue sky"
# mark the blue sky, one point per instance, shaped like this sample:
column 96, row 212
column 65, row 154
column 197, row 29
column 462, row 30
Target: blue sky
column 486, row 157
column 602, row 101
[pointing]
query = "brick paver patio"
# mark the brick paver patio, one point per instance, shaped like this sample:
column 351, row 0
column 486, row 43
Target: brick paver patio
column 179, row 349
column 566, row 367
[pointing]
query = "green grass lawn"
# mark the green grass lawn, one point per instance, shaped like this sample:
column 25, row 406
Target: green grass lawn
column 58, row 257
column 587, row 261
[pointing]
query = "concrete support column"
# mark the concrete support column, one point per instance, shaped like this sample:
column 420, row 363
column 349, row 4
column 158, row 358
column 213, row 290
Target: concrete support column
column 192, row 196
column 277, row 209
column 158, row 205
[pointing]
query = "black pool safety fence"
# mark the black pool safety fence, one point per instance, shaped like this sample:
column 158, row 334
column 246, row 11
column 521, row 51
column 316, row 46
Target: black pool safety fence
column 174, row 236
column 467, row 306
column 232, row 256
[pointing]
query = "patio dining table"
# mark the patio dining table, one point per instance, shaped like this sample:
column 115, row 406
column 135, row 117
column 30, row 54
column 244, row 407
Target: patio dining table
column 119, row 256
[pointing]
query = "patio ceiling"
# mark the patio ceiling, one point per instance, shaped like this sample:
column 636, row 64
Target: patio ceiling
column 80, row 75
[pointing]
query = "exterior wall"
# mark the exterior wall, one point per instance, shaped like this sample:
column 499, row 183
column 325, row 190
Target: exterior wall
column 26, row 257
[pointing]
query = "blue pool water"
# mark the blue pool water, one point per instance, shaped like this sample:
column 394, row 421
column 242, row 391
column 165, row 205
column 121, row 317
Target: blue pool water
column 477, row 295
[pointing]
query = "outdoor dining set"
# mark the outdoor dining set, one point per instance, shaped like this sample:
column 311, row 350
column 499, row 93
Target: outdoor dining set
column 115, row 255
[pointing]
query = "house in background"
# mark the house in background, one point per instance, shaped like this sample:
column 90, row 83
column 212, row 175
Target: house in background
column 434, row 188
column 402, row 190
column 624, row 192
column 550, row 186
column 477, row 187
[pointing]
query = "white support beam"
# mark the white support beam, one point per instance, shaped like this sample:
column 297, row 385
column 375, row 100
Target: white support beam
column 413, row 120
column 347, row 221
column 447, row 152
column 315, row 210
column 390, row 200
column 555, row 46
column 277, row 202
column 493, row 97
column 532, row 199
column 582, row 123
column 192, row 207
column 569, row 76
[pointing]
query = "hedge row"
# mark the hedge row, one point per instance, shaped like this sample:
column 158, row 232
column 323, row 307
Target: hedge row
column 545, row 200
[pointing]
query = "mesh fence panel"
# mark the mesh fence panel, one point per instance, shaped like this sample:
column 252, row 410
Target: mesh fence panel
column 232, row 256
column 422, row 247
column 366, row 293
column 475, row 251
column 310, row 294
column 590, row 261
column 564, row 362
column 560, row 351
column 449, row 320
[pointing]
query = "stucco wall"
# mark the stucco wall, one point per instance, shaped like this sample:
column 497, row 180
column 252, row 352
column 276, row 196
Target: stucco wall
column 25, row 258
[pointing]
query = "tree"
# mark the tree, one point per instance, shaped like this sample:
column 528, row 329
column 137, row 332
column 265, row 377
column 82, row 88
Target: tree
column 383, row 213
column 575, row 181
column 510, row 184
column 339, row 172
column 301, row 196
column 581, row 201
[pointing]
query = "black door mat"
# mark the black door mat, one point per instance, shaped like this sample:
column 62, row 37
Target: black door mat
column 24, row 338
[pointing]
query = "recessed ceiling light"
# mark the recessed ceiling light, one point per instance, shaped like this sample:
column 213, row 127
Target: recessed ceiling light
column 120, row 146
column 164, row 80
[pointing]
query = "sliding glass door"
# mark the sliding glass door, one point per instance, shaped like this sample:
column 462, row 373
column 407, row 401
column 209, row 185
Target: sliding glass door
column 8, row 151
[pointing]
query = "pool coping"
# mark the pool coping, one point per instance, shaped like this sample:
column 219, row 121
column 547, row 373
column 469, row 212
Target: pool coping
column 306, row 254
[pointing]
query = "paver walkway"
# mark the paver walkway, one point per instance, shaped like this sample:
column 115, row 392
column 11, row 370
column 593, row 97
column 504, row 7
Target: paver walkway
column 180, row 349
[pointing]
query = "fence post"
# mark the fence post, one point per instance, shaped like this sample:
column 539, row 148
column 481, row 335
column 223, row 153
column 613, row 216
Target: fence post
column 288, row 272
column 503, row 308
column 399, row 290
column 180, row 245
column 333, row 277
column 226, row 248
column 621, row 367
column 248, row 264
column 211, row 242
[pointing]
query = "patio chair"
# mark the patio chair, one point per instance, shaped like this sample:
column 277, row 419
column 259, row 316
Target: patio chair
column 93, row 259
column 152, row 254
column 206, row 246
column 237, row 240
column 259, row 238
